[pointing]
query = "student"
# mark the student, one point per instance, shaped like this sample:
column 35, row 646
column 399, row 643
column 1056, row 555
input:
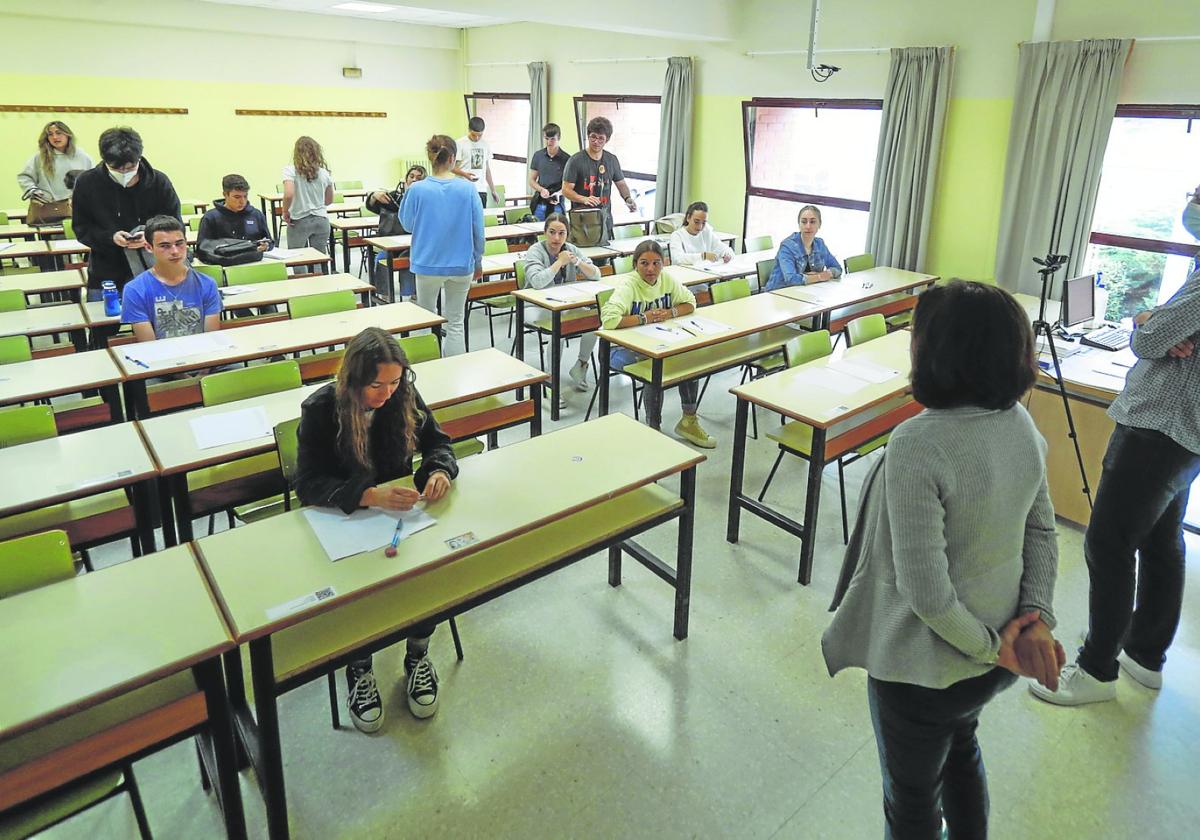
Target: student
column 473, row 159
column 380, row 202
column 650, row 296
column 234, row 217
column 546, row 174
column 591, row 173
column 170, row 298
column 696, row 241
column 557, row 261
column 803, row 257
column 307, row 190
column 43, row 179
column 355, row 435
column 953, row 561
column 446, row 221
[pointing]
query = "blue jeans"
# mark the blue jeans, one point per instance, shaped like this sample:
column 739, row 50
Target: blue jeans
column 1136, row 525
column 542, row 209
column 929, row 756
column 689, row 391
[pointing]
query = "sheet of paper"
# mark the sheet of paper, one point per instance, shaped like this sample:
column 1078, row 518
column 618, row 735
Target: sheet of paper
column 227, row 291
column 1124, row 358
column 709, row 265
column 589, row 287
column 176, row 348
column 364, row 530
column 4, row 246
column 865, row 370
column 702, row 326
column 567, row 294
column 663, row 334
column 231, row 427
column 826, row 379
column 283, row 253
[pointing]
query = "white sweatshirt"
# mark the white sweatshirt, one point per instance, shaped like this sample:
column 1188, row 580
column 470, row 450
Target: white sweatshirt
column 689, row 250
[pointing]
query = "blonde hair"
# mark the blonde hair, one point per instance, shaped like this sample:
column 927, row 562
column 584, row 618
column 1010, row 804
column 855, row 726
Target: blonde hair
column 308, row 158
column 441, row 150
column 360, row 365
column 46, row 151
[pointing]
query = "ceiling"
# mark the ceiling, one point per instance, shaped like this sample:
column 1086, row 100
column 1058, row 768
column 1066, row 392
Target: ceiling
column 370, row 10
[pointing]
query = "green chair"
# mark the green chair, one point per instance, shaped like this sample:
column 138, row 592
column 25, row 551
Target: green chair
column 727, row 290
column 622, row 265
column 216, row 272
column 757, row 243
column 735, row 289
column 245, row 383
column 628, row 232
column 12, row 300
column 14, row 348
column 338, row 198
column 342, row 300
column 763, row 272
column 68, row 228
column 865, row 328
column 495, row 246
column 347, row 185
column 420, row 348
column 25, row 424
column 502, row 305
column 194, row 222
column 187, row 209
column 859, row 262
column 33, row 561
column 634, row 386
column 516, row 214
column 267, row 271
column 3, row 218
column 490, row 220
column 498, row 201
column 287, row 449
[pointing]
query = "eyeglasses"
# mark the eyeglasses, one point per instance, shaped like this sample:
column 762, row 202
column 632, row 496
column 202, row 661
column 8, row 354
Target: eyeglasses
column 594, row 136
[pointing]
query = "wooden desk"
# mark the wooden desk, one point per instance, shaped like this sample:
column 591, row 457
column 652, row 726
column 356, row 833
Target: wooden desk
column 742, row 265
column 345, row 225
column 626, row 247
column 392, row 247
column 248, row 296
column 275, row 199
column 859, row 287
column 71, row 281
column 840, row 423
column 265, row 564
column 308, row 256
column 71, row 373
column 98, row 640
column 17, row 214
column 24, row 249
column 24, row 231
column 47, row 320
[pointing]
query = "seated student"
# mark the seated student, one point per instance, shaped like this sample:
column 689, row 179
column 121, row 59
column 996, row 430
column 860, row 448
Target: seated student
column 234, row 217
column 170, row 298
column 803, row 257
column 546, row 174
column 696, row 241
column 558, row 261
column 355, row 435
column 647, row 297
column 382, row 201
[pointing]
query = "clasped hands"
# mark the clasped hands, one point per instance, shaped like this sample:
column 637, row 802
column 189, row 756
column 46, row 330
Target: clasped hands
column 399, row 497
column 1029, row 649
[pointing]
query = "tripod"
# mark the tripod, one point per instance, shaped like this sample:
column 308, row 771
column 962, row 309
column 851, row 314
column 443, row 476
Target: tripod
column 1049, row 266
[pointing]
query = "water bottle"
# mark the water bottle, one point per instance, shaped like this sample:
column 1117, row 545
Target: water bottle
column 1101, row 301
column 112, row 301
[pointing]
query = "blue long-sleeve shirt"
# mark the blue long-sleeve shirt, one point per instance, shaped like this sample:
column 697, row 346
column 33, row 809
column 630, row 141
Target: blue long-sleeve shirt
column 792, row 262
column 446, row 220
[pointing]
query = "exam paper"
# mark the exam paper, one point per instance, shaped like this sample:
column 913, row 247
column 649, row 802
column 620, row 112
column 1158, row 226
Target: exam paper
column 176, row 348
column 703, row 326
column 823, row 377
column 283, row 253
column 667, row 335
column 231, row 427
column 364, row 530
column 865, row 370
column 226, row 291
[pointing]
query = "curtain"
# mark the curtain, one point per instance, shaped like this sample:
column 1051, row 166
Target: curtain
column 1062, row 113
column 910, row 141
column 539, row 105
column 674, row 138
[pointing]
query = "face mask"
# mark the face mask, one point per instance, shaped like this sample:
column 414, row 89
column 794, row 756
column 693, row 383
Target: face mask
column 1191, row 219
column 122, row 178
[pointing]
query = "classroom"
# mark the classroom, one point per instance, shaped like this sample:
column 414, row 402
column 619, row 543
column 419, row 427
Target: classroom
column 346, row 493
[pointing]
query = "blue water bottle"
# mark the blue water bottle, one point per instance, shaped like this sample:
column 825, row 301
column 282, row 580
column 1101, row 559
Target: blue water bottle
column 112, row 301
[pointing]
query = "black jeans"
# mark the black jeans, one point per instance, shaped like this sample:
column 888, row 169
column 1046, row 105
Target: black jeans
column 929, row 757
column 1137, row 523
column 421, row 631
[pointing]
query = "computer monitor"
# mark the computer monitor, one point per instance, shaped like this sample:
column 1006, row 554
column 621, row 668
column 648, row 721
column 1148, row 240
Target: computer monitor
column 1078, row 300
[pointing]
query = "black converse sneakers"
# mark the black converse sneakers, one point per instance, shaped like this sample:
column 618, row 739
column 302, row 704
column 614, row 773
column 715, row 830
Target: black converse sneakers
column 364, row 702
column 422, row 686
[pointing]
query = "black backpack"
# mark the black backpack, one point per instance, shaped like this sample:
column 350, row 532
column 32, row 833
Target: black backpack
column 228, row 251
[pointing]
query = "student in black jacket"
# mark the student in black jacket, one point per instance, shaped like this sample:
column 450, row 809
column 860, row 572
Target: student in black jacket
column 355, row 435
column 234, row 217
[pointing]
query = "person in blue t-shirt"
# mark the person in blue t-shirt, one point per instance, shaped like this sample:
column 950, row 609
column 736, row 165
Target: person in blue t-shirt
column 171, row 298
column 803, row 258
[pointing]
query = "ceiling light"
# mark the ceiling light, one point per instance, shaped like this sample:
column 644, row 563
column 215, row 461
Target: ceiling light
column 364, row 7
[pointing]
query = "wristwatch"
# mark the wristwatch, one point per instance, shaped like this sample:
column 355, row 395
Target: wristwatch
column 642, row 317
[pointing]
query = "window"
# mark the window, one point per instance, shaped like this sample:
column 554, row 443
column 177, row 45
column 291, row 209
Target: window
column 1138, row 239
column 507, row 132
column 635, row 122
column 807, row 151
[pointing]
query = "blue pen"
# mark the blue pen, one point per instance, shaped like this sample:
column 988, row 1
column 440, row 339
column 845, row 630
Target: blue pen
column 390, row 551
column 137, row 362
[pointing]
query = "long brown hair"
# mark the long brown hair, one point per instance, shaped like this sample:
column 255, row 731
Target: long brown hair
column 308, row 158
column 441, row 150
column 364, row 354
column 46, row 151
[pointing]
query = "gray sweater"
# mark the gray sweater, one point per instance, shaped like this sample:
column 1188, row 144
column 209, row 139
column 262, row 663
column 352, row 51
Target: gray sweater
column 954, row 538
column 34, row 179
column 538, row 262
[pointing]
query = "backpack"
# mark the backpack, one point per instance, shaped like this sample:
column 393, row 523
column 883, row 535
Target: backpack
column 389, row 218
column 587, row 227
column 228, row 251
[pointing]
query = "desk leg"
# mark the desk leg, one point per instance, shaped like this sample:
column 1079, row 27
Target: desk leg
column 111, row 394
column 333, row 252
column 79, row 339
column 220, row 734
column 555, row 361
column 812, row 501
column 143, row 514
column 165, row 507
column 346, row 249
column 262, row 670
column 656, row 376
column 182, row 503
column 683, row 556
column 535, row 423
column 737, row 470
column 519, row 341
column 605, row 372
column 136, row 405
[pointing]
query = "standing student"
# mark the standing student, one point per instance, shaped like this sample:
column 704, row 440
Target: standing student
column 170, row 298
column 446, row 220
column 696, row 241
column 954, row 559
column 591, row 174
column 473, row 159
column 234, row 217
column 356, row 435
column 546, row 174
column 307, row 190
column 650, row 296
column 803, row 258
column 44, row 177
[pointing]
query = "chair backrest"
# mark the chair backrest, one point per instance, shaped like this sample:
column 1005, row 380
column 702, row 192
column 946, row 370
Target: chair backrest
column 758, row 243
column 519, row 267
column 623, row 265
column 35, row 560
column 12, row 300
column 25, row 424
column 866, row 328
column 266, row 271
column 305, row 306
column 628, row 232
column 194, row 222
column 187, row 209
column 764, row 272
column 213, row 271
column 602, row 297
column 516, row 214
column 14, row 348
column 244, row 383
column 68, row 228
column 859, row 262
column 495, row 246
column 288, row 447
column 347, row 185
column 738, row 287
column 3, row 218
column 364, row 211
column 806, row 347
column 338, row 198
column 490, row 220
column 420, row 348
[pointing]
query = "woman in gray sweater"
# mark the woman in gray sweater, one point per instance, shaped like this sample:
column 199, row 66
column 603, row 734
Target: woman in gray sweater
column 43, row 178
column 949, row 577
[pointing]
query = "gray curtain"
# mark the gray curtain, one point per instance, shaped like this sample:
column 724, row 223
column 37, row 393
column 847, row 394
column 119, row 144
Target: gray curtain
column 539, row 105
column 1062, row 112
column 910, row 142
column 674, row 139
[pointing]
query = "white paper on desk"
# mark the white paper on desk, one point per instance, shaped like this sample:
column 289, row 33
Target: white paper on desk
column 709, row 265
column 703, row 326
column 364, row 530
column 227, row 291
column 567, row 294
column 1124, row 358
column 865, row 370
column 589, row 287
column 283, row 253
column 8, row 245
column 177, row 348
column 231, row 427
column 666, row 335
column 823, row 377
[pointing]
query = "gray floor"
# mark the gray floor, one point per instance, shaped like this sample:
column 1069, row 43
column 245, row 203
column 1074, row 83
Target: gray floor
column 576, row 714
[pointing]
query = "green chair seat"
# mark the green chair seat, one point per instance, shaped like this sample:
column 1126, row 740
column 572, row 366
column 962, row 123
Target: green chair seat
column 66, row 514
column 26, row 821
column 470, row 408
column 795, row 437
column 467, row 448
column 262, row 509
column 772, row 363
column 500, row 302
column 902, row 319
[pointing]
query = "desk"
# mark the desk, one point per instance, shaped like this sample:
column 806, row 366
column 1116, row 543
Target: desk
column 392, row 247
column 70, row 281
column 742, row 265
column 97, row 640
column 275, row 199
column 71, row 373
column 859, row 287
column 47, row 320
column 346, row 224
column 281, row 291
column 626, row 247
column 24, row 231
column 599, row 501
column 853, row 419
column 304, row 256
column 24, row 248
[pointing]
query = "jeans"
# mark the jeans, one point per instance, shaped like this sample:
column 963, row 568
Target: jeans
column 309, row 232
column 1137, row 523
column 421, row 632
column 689, row 392
column 454, row 306
column 543, row 209
column 929, row 757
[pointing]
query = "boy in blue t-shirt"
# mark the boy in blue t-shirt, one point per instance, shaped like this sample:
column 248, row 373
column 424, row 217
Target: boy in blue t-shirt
column 171, row 298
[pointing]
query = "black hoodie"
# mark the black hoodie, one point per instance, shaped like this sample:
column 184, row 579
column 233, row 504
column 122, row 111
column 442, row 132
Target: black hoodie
column 222, row 223
column 101, row 207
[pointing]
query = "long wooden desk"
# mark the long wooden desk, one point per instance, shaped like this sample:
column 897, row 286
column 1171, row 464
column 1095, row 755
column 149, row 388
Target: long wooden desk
column 626, row 247
column 275, row 199
column 742, row 265
column 71, row 373
column 346, row 225
column 248, row 296
column 859, row 287
column 394, row 247
column 105, row 668
column 20, row 230
column 307, row 256
column 71, row 281
column 47, row 320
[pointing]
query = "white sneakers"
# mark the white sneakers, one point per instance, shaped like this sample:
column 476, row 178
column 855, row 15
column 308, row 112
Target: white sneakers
column 1150, row 679
column 578, row 374
column 1075, row 688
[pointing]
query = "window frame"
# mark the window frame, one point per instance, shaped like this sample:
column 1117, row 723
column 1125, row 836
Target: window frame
column 467, row 97
column 617, row 98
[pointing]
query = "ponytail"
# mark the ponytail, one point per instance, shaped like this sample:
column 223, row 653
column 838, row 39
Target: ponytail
column 441, row 150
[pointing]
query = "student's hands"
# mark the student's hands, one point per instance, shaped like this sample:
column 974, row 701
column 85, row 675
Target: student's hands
column 437, row 486
column 654, row 316
column 382, row 197
column 818, row 276
column 264, row 244
column 1142, row 317
column 727, row 258
column 39, row 197
column 592, row 201
column 1040, row 655
column 1182, row 350
column 1007, row 657
column 391, row 498
column 471, row 176
column 124, row 239
column 544, row 193
column 631, row 204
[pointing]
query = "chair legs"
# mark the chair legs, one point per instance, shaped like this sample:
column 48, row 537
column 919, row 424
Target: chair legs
column 205, row 782
column 135, row 799
column 457, row 641
column 771, row 474
column 842, row 494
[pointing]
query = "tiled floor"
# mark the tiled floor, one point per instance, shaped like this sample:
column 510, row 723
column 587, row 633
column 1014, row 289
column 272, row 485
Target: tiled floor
column 576, row 714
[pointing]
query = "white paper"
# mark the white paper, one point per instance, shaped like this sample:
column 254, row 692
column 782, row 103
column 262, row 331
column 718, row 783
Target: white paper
column 231, row 427
column 8, row 245
column 863, row 369
column 283, row 253
column 176, row 348
column 226, row 291
column 1124, row 358
column 590, row 287
column 666, row 335
column 703, row 326
column 826, row 379
column 565, row 294
column 364, row 530
column 709, row 265
column 65, row 244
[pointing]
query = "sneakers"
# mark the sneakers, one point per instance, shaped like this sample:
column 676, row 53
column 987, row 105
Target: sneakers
column 689, row 429
column 578, row 374
column 549, row 395
column 1075, row 688
column 1150, row 679
column 422, row 686
column 364, row 702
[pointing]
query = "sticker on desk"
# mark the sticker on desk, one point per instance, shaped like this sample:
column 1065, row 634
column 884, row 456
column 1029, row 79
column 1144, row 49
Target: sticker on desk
column 103, row 479
column 303, row 602
column 462, row 541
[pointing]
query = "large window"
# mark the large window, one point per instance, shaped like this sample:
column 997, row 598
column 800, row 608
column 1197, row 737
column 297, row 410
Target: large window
column 635, row 122
column 507, row 132
column 806, row 151
column 1137, row 239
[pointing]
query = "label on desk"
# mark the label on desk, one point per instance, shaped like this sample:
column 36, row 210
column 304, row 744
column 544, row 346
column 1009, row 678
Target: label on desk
column 303, row 602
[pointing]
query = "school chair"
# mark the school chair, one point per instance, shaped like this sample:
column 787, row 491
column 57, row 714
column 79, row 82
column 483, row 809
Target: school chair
column 15, row 348
column 859, row 262
column 502, row 305
column 68, row 228
column 635, row 387
column 757, row 243
column 628, row 232
column 216, row 272
column 622, row 265
column 516, row 214
column 3, row 218
column 194, row 222
column 541, row 323
column 187, row 209
column 12, row 300
column 865, row 328
column 347, row 185
column 763, row 271
column 305, row 306
column 267, row 271
column 490, row 221
column 498, row 201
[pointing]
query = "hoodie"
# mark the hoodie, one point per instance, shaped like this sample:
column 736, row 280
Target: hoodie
column 446, row 220
column 222, row 223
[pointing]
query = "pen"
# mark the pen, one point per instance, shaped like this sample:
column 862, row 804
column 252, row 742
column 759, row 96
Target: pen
column 390, row 551
column 137, row 362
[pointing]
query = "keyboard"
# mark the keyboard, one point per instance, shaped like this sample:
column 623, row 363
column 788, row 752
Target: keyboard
column 1107, row 338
